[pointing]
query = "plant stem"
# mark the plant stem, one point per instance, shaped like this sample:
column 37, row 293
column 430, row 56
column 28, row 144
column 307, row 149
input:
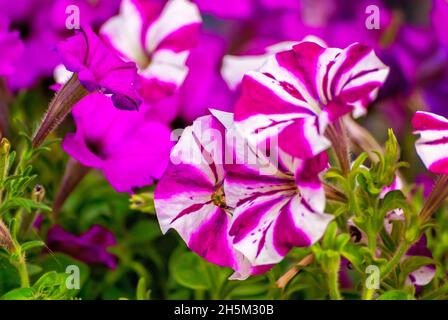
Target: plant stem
column 390, row 266
column 291, row 273
column 333, row 284
column 368, row 294
column 23, row 272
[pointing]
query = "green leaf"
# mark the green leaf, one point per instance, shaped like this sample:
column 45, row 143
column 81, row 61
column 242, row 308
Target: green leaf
column 19, row 294
column 188, row 270
column 51, row 286
column 32, row 244
column 144, row 231
column 395, row 295
column 355, row 254
column 330, row 236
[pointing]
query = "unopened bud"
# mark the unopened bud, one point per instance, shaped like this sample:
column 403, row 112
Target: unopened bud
column 5, row 146
column 64, row 100
column 143, row 202
column 6, row 241
column 38, row 193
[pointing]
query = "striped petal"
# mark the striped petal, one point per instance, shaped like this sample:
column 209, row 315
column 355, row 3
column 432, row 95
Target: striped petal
column 274, row 213
column 124, row 31
column 176, row 28
column 432, row 146
column 267, row 111
column 297, row 92
column 235, row 67
column 423, row 275
column 184, row 196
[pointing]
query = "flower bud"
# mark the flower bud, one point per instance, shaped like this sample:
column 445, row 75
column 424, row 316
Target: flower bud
column 64, row 100
column 6, row 241
column 38, row 193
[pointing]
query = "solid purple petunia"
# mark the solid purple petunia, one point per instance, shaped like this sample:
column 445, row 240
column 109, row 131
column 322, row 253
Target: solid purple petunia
column 129, row 150
column 11, row 48
column 95, row 68
column 90, row 247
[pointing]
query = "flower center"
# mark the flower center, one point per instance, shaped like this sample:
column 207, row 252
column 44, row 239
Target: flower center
column 219, row 198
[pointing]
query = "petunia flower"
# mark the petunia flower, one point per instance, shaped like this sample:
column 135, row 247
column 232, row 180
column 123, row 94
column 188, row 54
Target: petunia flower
column 423, row 275
column 432, row 147
column 296, row 93
column 190, row 197
column 11, row 47
column 90, row 247
column 128, row 149
column 234, row 67
column 158, row 38
column 96, row 68
column 276, row 210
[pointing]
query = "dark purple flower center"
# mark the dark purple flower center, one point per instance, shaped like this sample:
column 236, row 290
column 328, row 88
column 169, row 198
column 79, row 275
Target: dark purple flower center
column 96, row 147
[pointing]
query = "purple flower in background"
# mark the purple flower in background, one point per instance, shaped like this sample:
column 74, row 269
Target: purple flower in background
column 90, row 247
column 92, row 13
column 192, row 100
column 158, row 38
column 42, row 24
column 129, row 150
column 96, row 68
column 231, row 9
column 204, row 65
column 439, row 19
column 190, row 196
column 11, row 48
column 296, row 93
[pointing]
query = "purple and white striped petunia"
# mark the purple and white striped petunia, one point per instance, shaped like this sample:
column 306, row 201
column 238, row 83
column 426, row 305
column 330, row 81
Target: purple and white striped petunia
column 276, row 210
column 297, row 92
column 423, row 275
column 158, row 37
column 278, row 201
column 190, row 197
column 432, row 147
column 234, row 67
column 131, row 151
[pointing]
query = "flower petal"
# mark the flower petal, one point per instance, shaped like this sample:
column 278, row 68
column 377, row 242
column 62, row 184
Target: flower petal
column 432, row 147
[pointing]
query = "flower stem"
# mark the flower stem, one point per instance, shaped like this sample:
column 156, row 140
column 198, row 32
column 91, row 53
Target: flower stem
column 64, row 100
column 333, row 284
column 291, row 273
column 438, row 194
column 394, row 261
column 368, row 294
column 23, row 271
